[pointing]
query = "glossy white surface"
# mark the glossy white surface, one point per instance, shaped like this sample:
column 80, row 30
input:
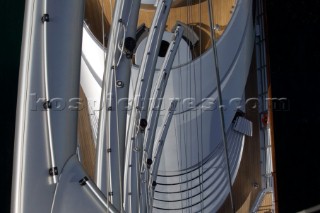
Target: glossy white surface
column 33, row 189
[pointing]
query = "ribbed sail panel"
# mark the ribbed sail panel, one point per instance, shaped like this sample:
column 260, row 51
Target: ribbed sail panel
column 189, row 181
column 204, row 187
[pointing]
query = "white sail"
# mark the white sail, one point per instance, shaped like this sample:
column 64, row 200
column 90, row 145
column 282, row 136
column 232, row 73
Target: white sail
column 155, row 109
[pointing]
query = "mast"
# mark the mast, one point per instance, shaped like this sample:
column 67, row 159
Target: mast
column 46, row 138
column 53, row 170
column 153, row 115
column 115, row 88
column 138, row 118
column 158, row 151
column 220, row 101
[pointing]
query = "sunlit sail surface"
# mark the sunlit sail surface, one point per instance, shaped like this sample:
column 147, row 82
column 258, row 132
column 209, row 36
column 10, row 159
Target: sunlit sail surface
column 164, row 120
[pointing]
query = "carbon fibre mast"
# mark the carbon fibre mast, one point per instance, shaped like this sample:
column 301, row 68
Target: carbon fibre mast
column 138, row 118
column 112, row 119
column 128, row 154
column 153, row 115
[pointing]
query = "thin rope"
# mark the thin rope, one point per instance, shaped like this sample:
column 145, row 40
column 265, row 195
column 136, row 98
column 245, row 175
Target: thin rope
column 216, row 60
column 199, row 143
column 194, row 124
column 179, row 118
column 201, row 95
column 189, row 133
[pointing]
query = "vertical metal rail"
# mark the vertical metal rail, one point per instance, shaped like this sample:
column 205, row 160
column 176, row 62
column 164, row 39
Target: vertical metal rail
column 112, row 119
column 220, row 101
column 104, row 103
column 53, row 170
column 153, row 115
column 138, row 117
column 158, row 150
column 102, row 158
column 121, row 83
column 102, row 170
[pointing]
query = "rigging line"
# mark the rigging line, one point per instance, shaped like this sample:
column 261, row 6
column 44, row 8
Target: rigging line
column 184, row 118
column 201, row 95
column 143, row 88
column 177, row 146
column 57, row 185
column 187, row 124
column 199, row 144
column 116, row 104
column 191, row 111
column 159, row 90
column 54, row 197
column 184, row 127
column 216, row 61
column 114, row 32
column 190, row 184
column 179, row 117
column 121, row 47
column 179, row 140
column 85, row 182
column 197, row 127
column 53, row 170
column 117, row 116
column 104, row 68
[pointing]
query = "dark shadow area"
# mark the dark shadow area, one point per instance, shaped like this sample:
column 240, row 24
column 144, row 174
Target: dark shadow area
column 163, row 48
column 294, row 32
column 11, row 14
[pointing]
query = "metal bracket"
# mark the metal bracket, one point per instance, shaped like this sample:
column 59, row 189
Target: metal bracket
column 45, row 18
column 120, row 84
column 47, row 105
column 53, row 171
column 83, row 181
